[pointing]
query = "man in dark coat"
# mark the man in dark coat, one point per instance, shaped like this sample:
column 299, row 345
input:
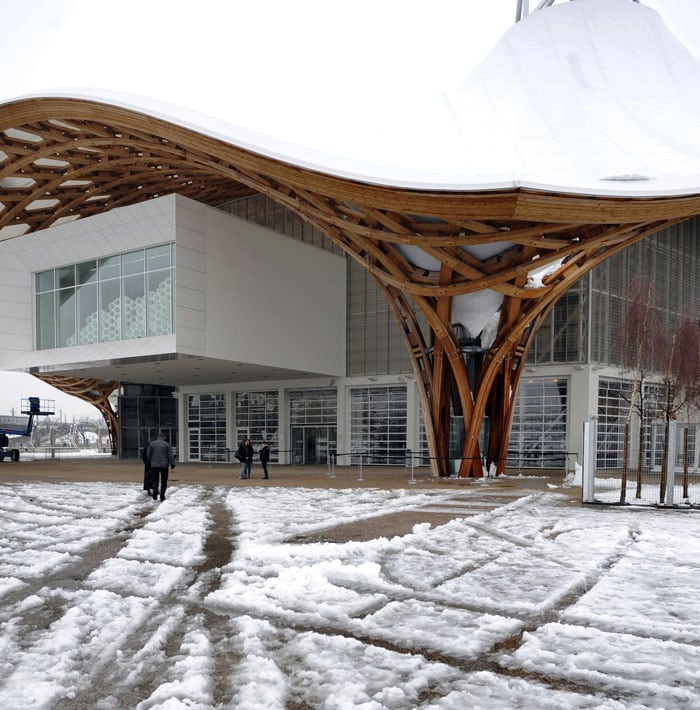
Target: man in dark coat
column 160, row 457
column 147, row 483
column 245, row 456
column 264, row 453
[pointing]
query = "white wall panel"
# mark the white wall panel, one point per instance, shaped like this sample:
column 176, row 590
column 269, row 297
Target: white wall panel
column 190, row 341
column 273, row 300
column 243, row 292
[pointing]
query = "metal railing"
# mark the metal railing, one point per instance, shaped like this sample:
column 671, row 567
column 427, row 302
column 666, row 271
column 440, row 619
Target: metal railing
column 669, row 483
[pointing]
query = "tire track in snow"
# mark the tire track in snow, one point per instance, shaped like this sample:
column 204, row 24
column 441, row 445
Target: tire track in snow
column 146, row 658
column 32, row 619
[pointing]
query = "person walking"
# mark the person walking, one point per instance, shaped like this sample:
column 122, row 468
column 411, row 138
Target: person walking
column 160, row 457
column 147, row 483
column 264, row 453
column 245, row 456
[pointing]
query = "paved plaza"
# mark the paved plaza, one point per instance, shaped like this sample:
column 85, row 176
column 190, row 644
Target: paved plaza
column 306, row 591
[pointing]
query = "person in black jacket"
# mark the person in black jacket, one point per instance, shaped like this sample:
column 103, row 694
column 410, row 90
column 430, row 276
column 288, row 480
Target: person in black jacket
column 245, row 456
column 264, row 453
column 147, row 478
column 160, row 458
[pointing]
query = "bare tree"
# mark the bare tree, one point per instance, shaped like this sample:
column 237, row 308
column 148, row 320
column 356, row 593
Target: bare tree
column 643, row 338
column 680, row 387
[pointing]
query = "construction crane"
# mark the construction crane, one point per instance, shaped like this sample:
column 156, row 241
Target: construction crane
column 9, row 426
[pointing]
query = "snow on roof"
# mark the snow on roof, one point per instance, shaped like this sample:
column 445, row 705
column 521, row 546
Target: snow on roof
column 591, row 97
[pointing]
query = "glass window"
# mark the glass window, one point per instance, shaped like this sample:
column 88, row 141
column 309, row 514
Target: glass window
column 148, row 412
column 87, row 272
column 87, row 314
column 66, row 317
column 110, row 267
column 45, row 281
column 378, row 423
column 110, row 311
column 159, row 303
column 128, row 411
column 107, row 299
column 158, row 257
column 256, row 418
column 207, row 428
column 538, row 434
column 66, row 276
column 45, row 321
column 133, row 307
column 132, row 263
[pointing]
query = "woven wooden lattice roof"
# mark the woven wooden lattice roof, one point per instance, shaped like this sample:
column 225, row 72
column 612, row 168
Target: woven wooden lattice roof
column 67, row 158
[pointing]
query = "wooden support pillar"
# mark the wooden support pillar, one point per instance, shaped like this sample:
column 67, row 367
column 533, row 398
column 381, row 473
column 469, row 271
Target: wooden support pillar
column 96, row 392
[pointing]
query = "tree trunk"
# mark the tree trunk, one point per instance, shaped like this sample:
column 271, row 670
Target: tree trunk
column 640, row 458
column 664, row 464
column 685, row 462
column 625, row 456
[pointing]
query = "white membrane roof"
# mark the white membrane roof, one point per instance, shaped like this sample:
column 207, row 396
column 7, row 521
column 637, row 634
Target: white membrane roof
column 588, row 96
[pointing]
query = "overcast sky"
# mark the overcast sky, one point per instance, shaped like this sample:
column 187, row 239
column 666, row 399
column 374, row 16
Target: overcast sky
column 263, row 64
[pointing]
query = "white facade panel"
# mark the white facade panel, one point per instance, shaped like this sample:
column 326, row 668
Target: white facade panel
column 12, row 326
column 191, row 250
column 190, row 341
column 191, row 217
column 273, row 300
column 242, row 292
column 194, row 299
column 190, row 318
column 191, row 279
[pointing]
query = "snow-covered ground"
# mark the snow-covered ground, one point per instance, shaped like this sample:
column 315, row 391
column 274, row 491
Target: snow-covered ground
column 216, row 598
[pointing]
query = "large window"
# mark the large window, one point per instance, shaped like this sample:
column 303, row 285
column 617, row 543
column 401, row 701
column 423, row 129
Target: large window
column 313, row 416
column 206, row 427
column 614, row 401
column 257, row 417
column 378, row 424
column 118, row 297
column 538, row 436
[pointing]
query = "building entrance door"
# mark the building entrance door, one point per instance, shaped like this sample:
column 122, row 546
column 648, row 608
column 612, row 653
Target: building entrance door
column 310, row 444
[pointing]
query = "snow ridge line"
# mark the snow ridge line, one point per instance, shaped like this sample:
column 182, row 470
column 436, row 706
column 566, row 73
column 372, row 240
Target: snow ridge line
column 166, row 629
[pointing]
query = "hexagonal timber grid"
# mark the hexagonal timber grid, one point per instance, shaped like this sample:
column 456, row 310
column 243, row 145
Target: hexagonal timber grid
column 64, row 158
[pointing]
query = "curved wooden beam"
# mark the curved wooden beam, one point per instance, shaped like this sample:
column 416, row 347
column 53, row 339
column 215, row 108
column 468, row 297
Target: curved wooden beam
column 67, row 158
column 96, row 392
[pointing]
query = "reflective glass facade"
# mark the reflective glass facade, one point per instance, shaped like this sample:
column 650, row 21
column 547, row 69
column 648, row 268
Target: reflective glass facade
column 378, row 424
column 120, row 297
column 257, row 417
column 206, row 427
column 538, row 435
column 143, row 411
column 313, row 419
column 614, row 397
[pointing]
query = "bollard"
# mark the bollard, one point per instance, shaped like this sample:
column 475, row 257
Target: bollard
column 413, row 471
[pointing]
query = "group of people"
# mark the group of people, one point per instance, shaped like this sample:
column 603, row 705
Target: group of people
column 245, row 455
column 157, row 459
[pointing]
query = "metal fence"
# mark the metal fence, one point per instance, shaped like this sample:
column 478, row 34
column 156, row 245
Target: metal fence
column 670, row 482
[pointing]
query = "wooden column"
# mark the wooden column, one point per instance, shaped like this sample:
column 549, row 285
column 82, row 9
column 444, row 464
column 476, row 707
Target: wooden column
column 96, row 392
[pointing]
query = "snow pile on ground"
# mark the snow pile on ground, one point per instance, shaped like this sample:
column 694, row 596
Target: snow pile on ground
column 208, row 600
